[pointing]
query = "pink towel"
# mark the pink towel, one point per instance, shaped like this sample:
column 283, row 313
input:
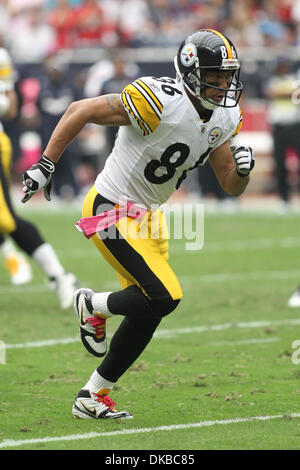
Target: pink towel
column 91, row 225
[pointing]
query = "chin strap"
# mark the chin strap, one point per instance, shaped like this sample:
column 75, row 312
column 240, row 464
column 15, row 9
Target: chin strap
column 207, row 104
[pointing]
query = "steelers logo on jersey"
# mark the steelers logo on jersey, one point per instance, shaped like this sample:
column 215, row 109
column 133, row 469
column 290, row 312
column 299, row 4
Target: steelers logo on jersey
column 188, row 55
column 214, row 135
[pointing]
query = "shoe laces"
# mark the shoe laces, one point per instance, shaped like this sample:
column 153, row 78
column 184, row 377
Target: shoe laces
column 106, row 400
column 98, row 324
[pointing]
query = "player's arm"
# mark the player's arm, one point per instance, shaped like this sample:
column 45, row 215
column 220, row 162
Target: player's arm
column 106, row 110
column 232, row 167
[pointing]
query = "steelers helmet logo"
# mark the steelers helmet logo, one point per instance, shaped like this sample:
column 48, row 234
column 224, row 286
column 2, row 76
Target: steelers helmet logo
column 188, row 54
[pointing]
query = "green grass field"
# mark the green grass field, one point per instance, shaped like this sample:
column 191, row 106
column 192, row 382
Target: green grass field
column 223, row 357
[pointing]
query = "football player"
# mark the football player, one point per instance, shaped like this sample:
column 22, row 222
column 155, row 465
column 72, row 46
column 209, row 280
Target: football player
column 167, row 128
column 25, row 235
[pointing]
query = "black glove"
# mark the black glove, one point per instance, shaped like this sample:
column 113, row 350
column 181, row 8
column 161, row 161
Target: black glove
column 244, row 159
column 37, row 177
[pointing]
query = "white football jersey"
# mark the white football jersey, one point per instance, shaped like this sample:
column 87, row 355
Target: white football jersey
column 167, row 139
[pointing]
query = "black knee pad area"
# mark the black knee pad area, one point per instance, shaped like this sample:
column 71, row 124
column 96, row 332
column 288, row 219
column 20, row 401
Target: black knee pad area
column 163, row 306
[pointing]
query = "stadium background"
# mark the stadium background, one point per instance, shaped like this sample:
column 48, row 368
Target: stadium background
column 81, row 38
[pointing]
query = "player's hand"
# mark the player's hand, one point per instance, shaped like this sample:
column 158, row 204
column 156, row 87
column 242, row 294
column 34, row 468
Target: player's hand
column 244, row 159
column 37, row 177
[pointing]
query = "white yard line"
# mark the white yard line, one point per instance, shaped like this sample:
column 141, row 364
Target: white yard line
column 240, row 276
column 42, row 343
column 32, row 288
column 168, row 333
column 123, row 432
column 246, row 341
column 242, row 245
column 225, row 326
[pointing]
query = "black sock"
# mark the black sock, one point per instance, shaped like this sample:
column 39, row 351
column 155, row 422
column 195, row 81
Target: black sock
column 126, row 345
column 26, row 236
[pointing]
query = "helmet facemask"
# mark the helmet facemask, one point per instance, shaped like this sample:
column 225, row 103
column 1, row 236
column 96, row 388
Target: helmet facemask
column 195, row 83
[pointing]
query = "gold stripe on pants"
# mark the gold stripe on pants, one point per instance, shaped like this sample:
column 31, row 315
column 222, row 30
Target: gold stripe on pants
column 7, row 220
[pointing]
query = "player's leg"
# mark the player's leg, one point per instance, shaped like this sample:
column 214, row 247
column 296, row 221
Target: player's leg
column 137, row 328
column 153, row 289
column 281, row 142
column 17, row 267
column 150, row 291
column 89, row 402
column 128, row 342
column 27, row 237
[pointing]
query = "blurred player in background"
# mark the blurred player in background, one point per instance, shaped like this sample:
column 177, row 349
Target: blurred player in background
column 285, row 122
column 25, row 235
column 167, row 127
column 294, row 300
column 284, row 115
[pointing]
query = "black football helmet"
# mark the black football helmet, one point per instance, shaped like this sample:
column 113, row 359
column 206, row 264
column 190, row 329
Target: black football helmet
column 209, row 50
